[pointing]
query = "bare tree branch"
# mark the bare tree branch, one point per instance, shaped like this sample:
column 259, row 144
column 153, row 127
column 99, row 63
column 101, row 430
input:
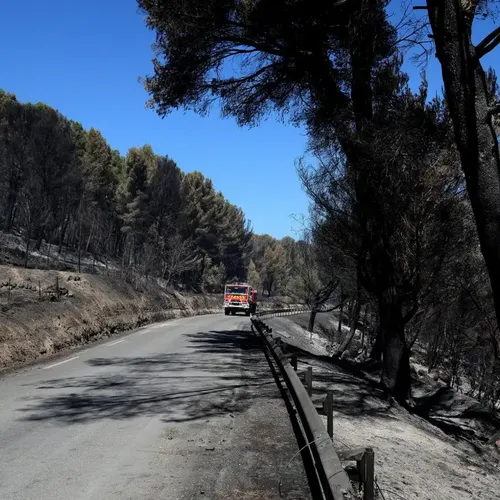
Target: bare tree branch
column 488, row 43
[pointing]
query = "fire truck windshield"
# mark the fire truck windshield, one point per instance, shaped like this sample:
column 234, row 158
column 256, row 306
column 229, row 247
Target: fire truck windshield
column 237, row 290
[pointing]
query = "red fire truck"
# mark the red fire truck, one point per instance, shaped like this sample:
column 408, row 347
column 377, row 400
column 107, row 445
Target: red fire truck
column 240, row 297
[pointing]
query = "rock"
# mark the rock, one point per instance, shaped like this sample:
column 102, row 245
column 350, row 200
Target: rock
column 71, row 294
column 434, row 374
column 70, row 278
column 421, row 372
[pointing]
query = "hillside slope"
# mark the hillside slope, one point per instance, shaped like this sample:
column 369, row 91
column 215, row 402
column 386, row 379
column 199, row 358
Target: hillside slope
column 415, row 457
column 43, row 312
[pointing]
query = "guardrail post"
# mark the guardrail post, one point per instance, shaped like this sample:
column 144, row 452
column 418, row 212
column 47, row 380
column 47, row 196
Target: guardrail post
column 366, row 468
column 309, row 380
column 279, row 343
column 329, row 413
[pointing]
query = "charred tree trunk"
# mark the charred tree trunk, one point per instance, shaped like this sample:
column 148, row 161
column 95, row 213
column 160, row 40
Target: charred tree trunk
column 362, row 349
column 321, row 296
column 312, row 319
column 354, row 311
column 9, row 218
column 39, row 239
column 62, row 233
column 27, row 239
column 471, row 113
column 396, row 377
column 376, row 352
column 341, row 312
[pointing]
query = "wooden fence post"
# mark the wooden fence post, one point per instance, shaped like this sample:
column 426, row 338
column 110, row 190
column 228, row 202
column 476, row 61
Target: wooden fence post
column 329, row 413
column 309, row 380
column 369, row 474
column 293, row 361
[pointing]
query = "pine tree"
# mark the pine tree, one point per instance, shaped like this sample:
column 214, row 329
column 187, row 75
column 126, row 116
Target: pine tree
column 254, row 276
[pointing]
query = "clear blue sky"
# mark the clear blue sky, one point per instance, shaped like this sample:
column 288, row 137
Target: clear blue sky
column 84, row 57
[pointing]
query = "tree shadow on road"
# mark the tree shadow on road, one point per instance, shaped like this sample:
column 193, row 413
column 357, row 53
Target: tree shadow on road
column 221, row 372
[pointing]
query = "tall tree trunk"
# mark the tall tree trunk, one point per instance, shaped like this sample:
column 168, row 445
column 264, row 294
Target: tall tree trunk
column 354, row 311
column 62, row 233
column 80, row 245
column 39, row 239
column 312, row 318
column 27, row 237
column 363, row 330
column 48, row 256
column 396, row 377
column 467, row 97
column 9, row 218
column 378, row 345
column 91, row 235
column 341, row 312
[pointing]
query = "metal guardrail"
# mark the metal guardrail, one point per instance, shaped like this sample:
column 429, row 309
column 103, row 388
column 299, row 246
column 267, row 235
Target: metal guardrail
column 277, row 313
column 333, row 481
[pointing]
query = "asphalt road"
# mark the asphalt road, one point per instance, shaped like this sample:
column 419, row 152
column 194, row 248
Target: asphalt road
column 180, row 410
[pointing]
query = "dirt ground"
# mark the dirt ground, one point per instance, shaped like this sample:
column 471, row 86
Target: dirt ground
column 413, row 458
column 43, row 312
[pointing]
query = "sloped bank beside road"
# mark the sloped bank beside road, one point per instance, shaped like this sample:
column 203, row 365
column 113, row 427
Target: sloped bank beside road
column 414, row 459
column 44, row 312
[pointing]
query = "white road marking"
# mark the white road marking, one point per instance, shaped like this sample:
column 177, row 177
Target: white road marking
column 114, row 343
column 162, row 325
column 155, row 327
column 60, row 362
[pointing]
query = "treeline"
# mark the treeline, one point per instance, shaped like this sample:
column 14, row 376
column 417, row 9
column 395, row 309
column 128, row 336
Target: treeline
column 65, row 185
column 271, row 263
column 404, row 195
column 286, row 267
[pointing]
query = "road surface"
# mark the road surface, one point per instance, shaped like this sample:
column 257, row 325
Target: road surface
column 180, row 410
